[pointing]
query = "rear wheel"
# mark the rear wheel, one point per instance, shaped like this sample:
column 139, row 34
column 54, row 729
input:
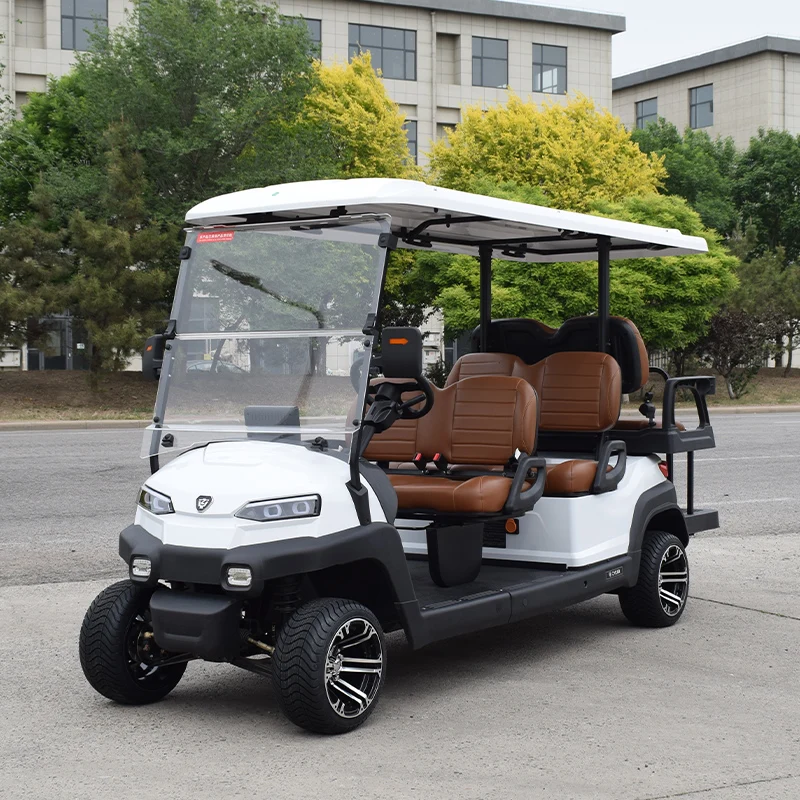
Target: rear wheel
column 329, row 665
column 659, row 596
column 118, row 654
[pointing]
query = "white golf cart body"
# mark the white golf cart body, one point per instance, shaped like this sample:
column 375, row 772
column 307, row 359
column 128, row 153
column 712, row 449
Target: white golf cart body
column 282, row 286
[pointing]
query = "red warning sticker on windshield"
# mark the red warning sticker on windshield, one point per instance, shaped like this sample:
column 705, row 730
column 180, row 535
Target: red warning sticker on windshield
column 215, row 236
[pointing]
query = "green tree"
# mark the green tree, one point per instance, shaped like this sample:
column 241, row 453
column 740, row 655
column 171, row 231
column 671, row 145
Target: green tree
column 124, row 265
column 699, row 169
column 770, row 290
column 735, row 346
column 767, row 191
column 199, row 86
column 671, row 299
column 352, row 110
column 573, row 154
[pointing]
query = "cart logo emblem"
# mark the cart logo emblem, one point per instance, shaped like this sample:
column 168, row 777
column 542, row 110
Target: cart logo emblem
column 203, row 502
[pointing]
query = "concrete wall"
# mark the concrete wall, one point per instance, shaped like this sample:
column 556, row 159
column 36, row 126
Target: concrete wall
column 761, row 90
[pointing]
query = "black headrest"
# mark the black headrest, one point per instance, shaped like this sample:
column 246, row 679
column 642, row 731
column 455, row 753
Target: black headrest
column 532, row 341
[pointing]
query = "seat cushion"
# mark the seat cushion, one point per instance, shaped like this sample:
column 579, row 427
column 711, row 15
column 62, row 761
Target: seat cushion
column 486, row 494
column 570, row 477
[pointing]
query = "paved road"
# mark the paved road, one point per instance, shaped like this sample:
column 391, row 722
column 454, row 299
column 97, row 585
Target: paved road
column 575, row 704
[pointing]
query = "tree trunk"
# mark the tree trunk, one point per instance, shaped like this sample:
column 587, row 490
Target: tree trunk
column 789, row 350
column 729, row 387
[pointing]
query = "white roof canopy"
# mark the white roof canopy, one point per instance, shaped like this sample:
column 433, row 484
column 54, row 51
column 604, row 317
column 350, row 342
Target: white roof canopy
column 426, row 216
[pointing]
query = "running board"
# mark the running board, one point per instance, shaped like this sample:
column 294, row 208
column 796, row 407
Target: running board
column 522, row 600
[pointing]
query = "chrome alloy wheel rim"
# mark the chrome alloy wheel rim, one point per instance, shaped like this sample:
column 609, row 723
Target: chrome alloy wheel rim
column 673, row 580
column 353, row 668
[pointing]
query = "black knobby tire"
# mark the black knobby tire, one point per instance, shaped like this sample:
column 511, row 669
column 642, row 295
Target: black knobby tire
column 644, row 604
column 303, row 649
column 107, row 635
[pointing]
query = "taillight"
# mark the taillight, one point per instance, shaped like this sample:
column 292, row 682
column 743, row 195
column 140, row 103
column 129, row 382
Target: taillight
column 662, row 465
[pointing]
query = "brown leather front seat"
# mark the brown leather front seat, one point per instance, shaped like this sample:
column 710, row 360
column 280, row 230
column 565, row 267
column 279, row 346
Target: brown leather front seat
column 483, row 421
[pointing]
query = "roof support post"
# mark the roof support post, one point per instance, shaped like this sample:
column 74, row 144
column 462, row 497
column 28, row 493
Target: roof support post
column 603, row 291
column 485, row 255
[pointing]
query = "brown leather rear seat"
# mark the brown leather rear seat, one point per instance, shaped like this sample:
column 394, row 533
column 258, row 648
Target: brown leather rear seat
column 482, row 420
column 578, row 392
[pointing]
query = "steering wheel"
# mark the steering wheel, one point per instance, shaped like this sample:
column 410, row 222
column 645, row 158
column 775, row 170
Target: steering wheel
column 393, row 392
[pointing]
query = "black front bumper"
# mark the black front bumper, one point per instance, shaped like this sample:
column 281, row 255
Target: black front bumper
column 377, row 541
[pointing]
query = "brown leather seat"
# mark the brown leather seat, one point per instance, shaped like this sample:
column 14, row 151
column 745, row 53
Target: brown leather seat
column 481, row 420
column 578, row 392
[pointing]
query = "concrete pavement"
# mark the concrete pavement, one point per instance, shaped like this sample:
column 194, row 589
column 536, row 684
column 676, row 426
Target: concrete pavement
column 575, row 704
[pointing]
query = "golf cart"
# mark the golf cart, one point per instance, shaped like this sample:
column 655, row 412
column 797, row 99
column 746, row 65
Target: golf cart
column 318, row 492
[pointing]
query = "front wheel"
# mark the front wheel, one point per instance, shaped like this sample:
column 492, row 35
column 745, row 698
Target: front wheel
column 119, row 656
column 329, row 665
column 659, row 596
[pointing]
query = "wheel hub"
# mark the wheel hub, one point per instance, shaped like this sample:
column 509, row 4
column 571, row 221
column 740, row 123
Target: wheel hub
column 673, row 580
column 353, row 668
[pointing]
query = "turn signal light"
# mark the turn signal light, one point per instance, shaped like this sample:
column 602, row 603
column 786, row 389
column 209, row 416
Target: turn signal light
column 662, row 465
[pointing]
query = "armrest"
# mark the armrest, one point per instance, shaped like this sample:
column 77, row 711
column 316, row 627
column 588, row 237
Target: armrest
column 606, row 480
column 520, row 501
column 700, row 386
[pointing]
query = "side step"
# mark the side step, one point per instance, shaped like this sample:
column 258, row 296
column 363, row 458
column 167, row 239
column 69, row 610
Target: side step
column 522, row 600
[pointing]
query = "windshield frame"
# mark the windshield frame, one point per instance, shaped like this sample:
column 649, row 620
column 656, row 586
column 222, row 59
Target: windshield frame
column 183, row 296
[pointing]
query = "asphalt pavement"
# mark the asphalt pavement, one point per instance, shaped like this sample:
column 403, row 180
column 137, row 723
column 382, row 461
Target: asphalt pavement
column 574, row 704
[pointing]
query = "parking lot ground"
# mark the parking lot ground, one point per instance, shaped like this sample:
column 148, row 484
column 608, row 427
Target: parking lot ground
column 573, row 704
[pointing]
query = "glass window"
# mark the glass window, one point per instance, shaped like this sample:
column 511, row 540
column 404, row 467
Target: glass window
column 410, row 126
column 394, row 50
column 646, row 112
column 701, row 106
column 549, row 69
column 78, row 20
column 315, row 31
column 489, row 62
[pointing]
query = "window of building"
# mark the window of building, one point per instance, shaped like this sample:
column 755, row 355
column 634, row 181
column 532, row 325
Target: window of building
column 394, row 50
column 646, row 112
column 315, row 31
column 78, row 20
column 549, row 69
column 701, row 106
column 410, row 127
column 489, row 62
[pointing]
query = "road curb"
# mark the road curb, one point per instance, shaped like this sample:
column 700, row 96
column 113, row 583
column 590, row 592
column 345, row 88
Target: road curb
column 127, row 424
column 73, row 425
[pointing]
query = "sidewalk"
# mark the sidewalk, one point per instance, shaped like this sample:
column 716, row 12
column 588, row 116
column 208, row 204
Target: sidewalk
column 122, row 424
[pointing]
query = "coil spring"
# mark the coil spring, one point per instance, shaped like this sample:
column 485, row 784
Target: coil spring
column 286, row 596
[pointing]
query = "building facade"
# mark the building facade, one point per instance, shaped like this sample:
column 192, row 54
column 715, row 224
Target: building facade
column 732, row 91
column 435, row 56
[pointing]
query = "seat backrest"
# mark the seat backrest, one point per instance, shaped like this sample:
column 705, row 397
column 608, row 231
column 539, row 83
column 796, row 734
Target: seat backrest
column 483, row 364
column 532, row 341
column 483, row 419
column 577, row 391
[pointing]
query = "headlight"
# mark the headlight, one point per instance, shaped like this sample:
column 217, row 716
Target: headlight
column 154, row 502
column 285, row 508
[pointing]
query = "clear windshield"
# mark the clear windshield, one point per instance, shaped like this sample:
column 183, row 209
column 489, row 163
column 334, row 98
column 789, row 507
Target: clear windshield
column 269, row 323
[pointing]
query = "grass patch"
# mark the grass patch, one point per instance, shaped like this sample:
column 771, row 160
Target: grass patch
column 61, row 395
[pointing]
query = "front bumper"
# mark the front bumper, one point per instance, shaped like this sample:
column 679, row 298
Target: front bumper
column 297, row 555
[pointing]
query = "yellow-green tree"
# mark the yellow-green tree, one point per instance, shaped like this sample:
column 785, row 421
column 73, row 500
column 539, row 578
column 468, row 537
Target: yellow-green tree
column 365, row 124
column 573, row 153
